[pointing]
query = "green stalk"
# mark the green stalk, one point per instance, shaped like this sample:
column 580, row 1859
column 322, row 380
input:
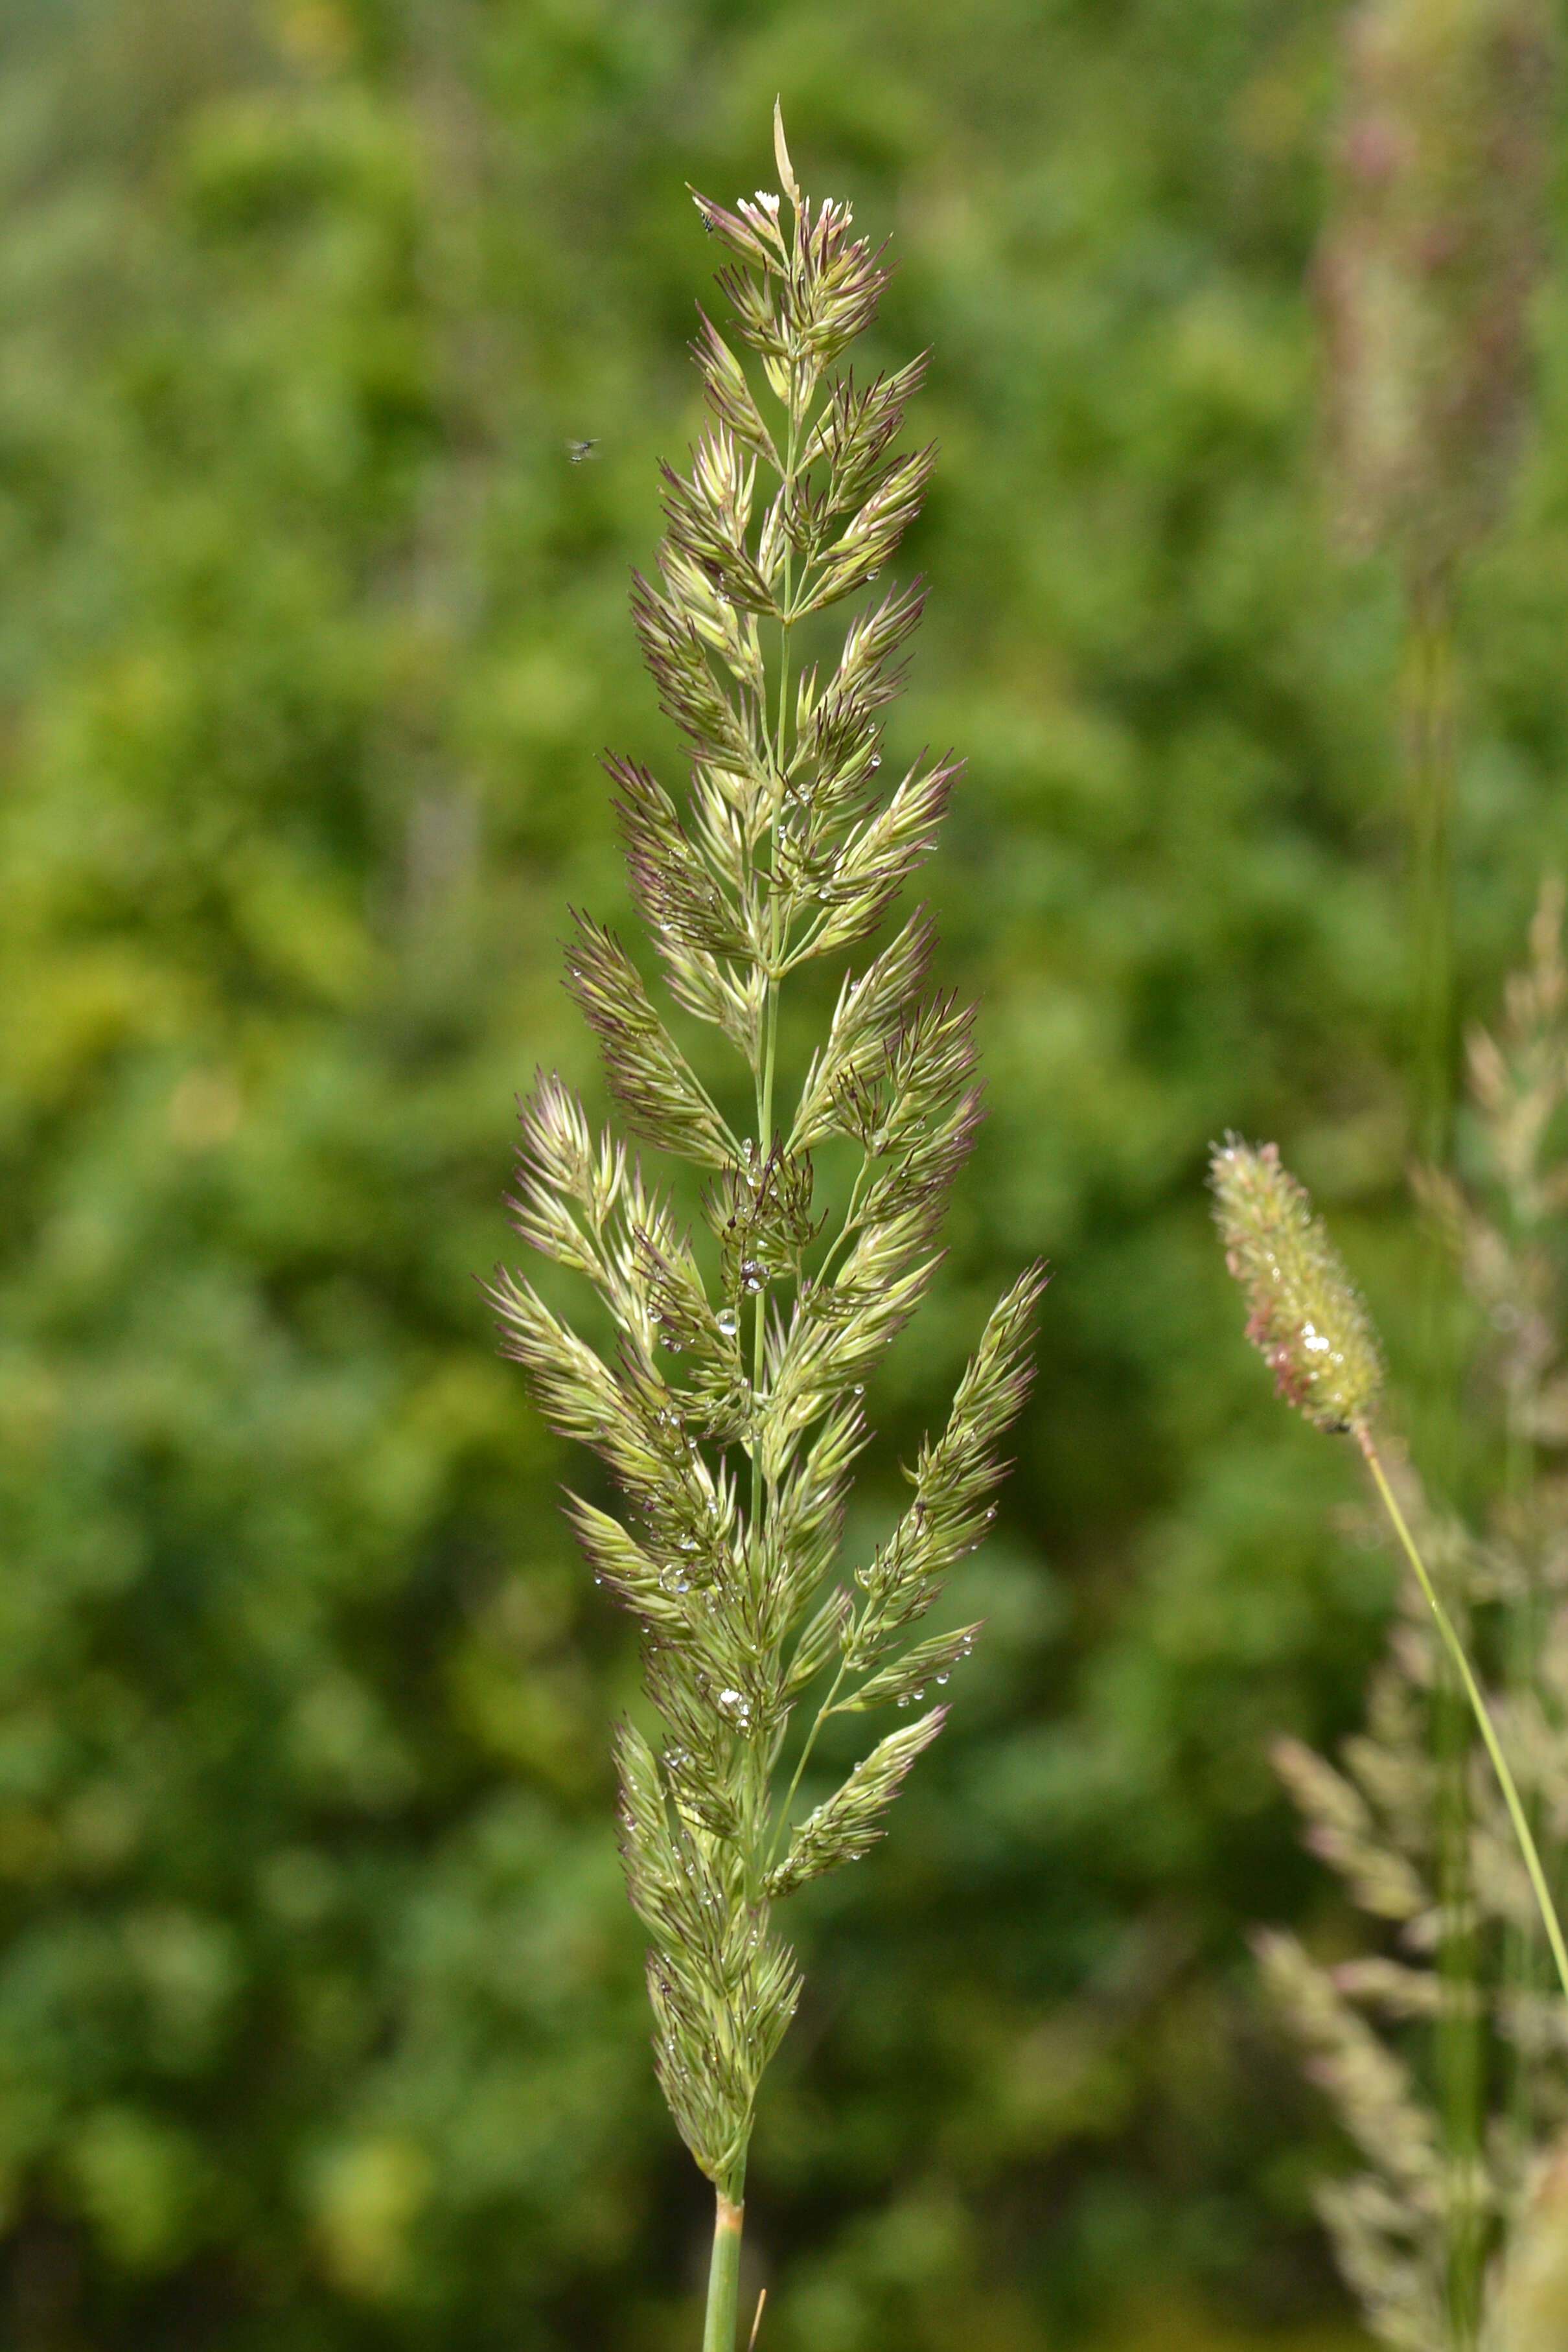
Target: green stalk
column 1430, row 756
column 770, row 1014
column 723, row 2276
column 1460, row 2052
column 1461, row 1664
column 1429, row 734
column 1523, row 1639
column 764, row 1145
column 822, row 1712
column 1428, row 695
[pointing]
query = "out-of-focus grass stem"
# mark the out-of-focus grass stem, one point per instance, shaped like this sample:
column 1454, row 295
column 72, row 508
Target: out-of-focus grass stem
column 1429, row 757
column 1462, row 1668
column 1430, row 724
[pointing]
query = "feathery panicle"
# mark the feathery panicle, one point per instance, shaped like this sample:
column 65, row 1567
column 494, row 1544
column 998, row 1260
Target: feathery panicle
column 1305, row 1316
column 1528, row 2304
column 1518, row 1085
column 1368, row 2025
column 1388, row 2223
column 730, row 1412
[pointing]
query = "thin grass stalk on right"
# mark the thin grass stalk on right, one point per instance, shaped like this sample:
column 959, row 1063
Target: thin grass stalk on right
column 1434, row 243
column 1381, row 1822
column 1309, row 1323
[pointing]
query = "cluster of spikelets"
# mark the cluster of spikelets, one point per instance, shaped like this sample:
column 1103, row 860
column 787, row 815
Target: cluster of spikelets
column 729, row 1409
column 1305, row 1315
column 1383, row 1819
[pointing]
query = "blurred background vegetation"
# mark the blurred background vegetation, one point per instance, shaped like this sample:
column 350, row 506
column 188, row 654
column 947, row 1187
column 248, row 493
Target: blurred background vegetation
column 321, row 2022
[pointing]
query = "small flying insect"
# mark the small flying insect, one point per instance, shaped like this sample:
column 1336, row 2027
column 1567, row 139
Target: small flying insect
column 578, row 450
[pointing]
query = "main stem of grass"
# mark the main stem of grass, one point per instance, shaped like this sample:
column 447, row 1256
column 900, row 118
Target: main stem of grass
column 723, row 2277
column 1522, row 1630
column 1427, row 696
column 1429, row 725
column 1461, row 1666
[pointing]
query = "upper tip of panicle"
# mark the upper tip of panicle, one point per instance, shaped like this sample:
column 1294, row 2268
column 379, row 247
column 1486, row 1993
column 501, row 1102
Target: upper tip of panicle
column 1305, row 1316
column 787, row 181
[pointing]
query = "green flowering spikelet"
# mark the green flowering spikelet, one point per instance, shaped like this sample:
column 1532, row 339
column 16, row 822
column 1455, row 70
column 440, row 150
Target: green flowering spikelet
column 731, row 1412
column 1306, row 1318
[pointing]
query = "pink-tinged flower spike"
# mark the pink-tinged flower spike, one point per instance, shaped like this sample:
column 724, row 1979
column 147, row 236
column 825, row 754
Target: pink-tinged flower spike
column 1307, row 1321
column 1306, row 1316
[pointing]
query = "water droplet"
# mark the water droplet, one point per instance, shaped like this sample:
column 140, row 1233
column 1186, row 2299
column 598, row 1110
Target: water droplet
column 942, row 1678
column 754, row 1274
column 729, row 1321
column 875, row 761
column 859, row 1389
column 687, row 1543
column 904, row 1700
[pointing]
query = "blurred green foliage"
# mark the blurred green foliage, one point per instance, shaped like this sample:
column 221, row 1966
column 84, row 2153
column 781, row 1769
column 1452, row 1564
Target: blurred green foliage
column 321, row 2015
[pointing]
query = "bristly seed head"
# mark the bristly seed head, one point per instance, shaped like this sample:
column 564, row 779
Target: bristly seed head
column 1305, row 1316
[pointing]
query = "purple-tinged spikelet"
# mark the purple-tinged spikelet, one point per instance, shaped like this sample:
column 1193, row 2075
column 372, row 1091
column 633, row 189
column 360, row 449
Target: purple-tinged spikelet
column 1435, row 244
column 1305, row 1317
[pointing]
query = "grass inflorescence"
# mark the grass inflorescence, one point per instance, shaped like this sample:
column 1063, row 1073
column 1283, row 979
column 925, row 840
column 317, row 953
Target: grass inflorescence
column 1448, row 2242
column 731, row 1408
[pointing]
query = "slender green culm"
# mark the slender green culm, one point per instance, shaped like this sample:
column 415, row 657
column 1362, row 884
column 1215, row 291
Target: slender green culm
column 1436, row 237
column 731, row 1411
column 1460, row 1662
